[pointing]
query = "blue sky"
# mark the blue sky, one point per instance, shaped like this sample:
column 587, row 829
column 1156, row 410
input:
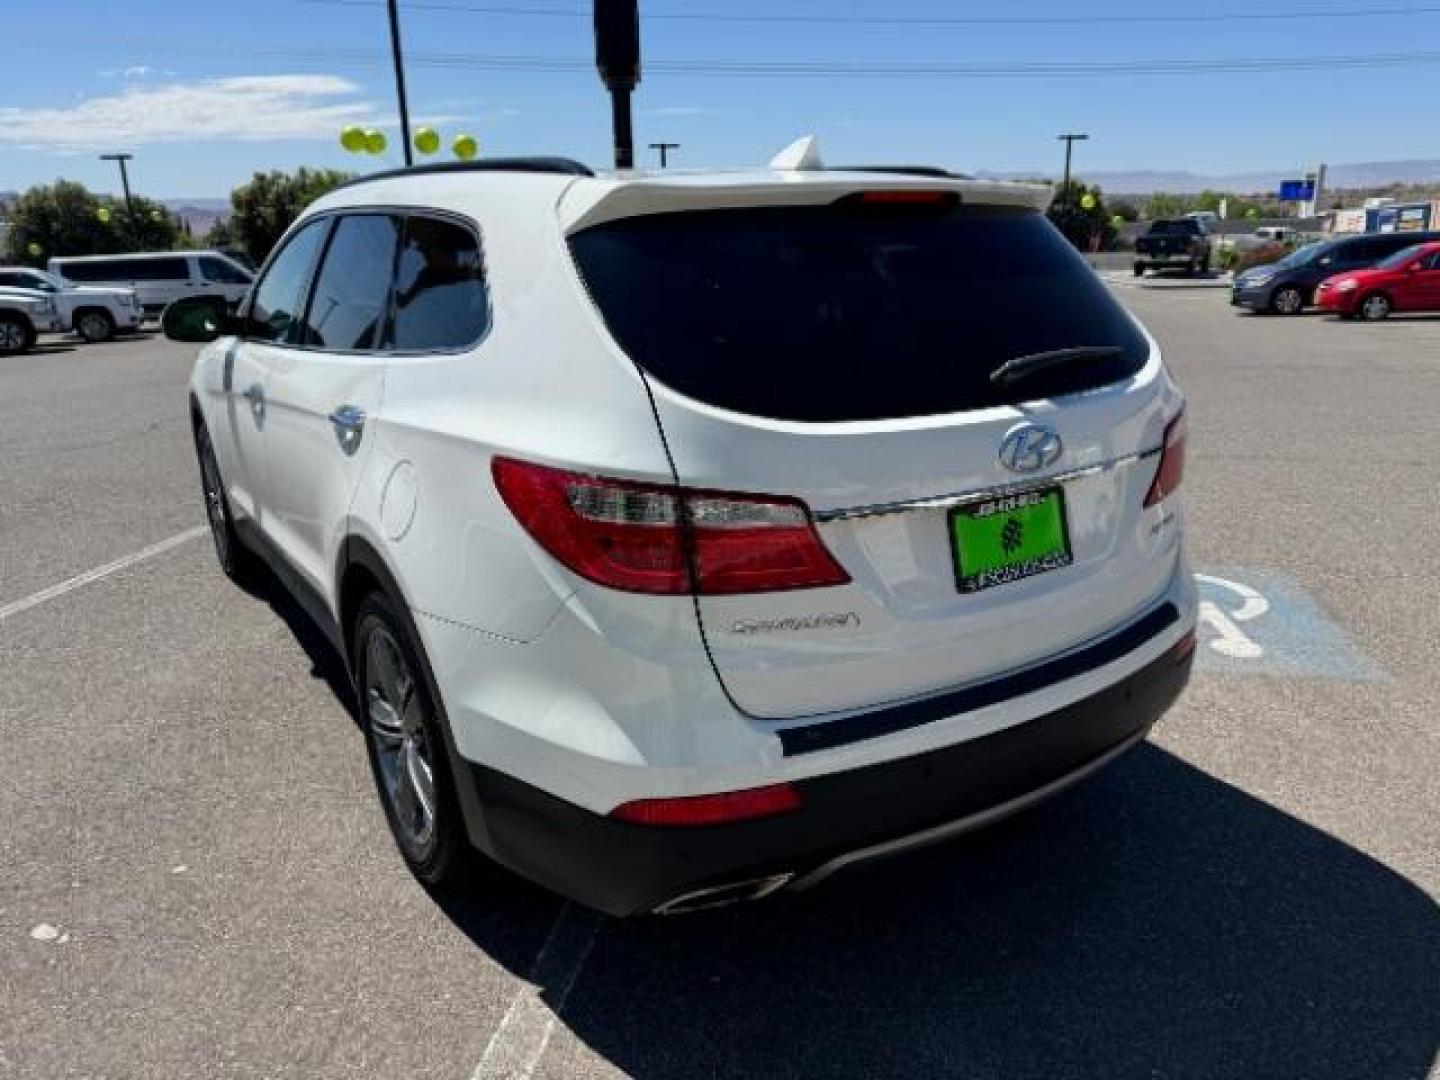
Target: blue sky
column 205, row 93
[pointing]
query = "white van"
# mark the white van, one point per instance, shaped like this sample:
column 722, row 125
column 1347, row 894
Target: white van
column 160, row 277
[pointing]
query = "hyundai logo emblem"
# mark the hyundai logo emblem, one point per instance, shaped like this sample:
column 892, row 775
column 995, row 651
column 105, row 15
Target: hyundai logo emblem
column 1029, row 447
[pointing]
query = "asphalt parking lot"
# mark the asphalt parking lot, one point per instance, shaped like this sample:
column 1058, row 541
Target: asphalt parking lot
column 196, row 879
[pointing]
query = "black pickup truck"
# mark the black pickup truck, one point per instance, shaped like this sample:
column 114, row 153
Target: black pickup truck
column 1173, row 242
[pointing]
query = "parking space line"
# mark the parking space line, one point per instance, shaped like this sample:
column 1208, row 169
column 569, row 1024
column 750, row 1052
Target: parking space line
column 15, row 607
column 524, row 1034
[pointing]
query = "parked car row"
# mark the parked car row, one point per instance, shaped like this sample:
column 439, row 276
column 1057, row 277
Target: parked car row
column 99, row 296
column 1366, row 276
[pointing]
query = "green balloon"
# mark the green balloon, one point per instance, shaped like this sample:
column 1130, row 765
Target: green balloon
column 1252, row 213
column 375, row 141
column 465, row 147
column 352, row 138
column 157, row 215
column 104, row 215
column 427, row 140
column 1117, row 221
column 1087, row 201
column 34, row 249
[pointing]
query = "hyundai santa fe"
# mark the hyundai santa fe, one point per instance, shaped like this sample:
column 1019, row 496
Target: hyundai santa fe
column 691, row 537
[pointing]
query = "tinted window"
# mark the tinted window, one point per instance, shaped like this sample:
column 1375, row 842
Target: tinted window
column 177, row 269
column 352, row 293
column 1400, row 258
column 1431, row 261
column 1175, row 228
column 96, row 271
column 827, row 313
column 440, row 295
column 222, row 271
column 21, row 281
column 276, row 305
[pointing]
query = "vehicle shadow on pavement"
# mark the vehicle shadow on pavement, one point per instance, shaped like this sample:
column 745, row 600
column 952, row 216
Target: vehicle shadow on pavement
column 1155, row 922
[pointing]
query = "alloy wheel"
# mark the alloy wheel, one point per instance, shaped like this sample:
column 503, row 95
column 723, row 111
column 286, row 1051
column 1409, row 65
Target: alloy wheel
column 395, row 719
column 12, row 335
column 214, row 499
column 1288, row 301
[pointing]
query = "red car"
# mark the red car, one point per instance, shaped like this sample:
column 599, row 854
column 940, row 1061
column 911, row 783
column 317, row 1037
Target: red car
column 1409, row 280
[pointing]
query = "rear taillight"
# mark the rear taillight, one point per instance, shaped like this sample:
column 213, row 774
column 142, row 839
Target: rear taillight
column 655, row 538
column 711, row 809
column 1172, row 462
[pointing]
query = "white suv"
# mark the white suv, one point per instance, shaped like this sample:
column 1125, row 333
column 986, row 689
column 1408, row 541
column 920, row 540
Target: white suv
column 94, row 312
column 25, row 313
column 693, row 536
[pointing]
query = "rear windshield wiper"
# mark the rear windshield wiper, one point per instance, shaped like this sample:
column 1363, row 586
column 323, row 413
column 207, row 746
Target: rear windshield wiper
column 1018, row 367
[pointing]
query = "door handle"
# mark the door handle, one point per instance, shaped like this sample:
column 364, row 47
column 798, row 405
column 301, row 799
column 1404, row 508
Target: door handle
column 255, row 394
column 349, row 423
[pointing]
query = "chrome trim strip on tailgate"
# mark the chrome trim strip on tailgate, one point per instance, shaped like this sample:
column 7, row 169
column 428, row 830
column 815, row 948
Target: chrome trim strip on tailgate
column 946, row 502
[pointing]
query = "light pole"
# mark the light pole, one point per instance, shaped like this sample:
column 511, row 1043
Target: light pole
column 121, row 159
column 617, row 56
column 400, row 80
column 1069, row 139
column 664, row 148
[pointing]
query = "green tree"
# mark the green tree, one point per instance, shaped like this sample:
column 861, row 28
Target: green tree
column 1162, row 205
column 1079, row 212
column 220, row 235
column 64, row 218
column 266, row 206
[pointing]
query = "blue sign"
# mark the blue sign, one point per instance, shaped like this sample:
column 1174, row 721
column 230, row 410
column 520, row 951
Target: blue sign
column 1297, row 190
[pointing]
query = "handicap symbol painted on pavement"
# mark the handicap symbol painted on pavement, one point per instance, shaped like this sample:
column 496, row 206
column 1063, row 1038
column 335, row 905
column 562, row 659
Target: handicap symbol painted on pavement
column 1261, row 622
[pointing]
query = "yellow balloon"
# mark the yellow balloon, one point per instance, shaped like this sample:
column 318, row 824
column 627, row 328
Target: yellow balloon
column 34, row 249
column 352, row 138
column 1087, row 201
column 465, row 147
column 427, row 140
column 104, row 215
column 375, row 141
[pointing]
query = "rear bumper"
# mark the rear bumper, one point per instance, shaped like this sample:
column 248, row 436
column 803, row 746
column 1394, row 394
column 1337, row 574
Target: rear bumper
column 847, row 817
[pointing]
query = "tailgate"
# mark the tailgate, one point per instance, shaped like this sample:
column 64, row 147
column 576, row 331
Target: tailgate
column 843, row 356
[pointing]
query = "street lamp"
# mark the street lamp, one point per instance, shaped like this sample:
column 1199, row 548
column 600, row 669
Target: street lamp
column 400, row 80
column 124, row 182
column 1069, row 139
column 664, row 148
column 617, row 55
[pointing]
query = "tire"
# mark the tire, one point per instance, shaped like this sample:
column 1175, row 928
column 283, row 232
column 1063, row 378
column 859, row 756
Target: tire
column 406, row 746
column 1139, row 269
column 1287, row 300
column 234, row 558
column 1374, row 308
column 17, row 335
column 1191, row 268
column 94, row 325
column 1205, row 265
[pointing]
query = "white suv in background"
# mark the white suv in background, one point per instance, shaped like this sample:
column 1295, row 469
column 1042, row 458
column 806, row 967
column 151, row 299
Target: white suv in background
column 692, row 536
column 93, row 312
column 161, row 277
column 25, row 313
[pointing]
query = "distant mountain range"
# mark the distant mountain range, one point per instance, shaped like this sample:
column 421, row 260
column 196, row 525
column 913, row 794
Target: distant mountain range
column 1365, row 174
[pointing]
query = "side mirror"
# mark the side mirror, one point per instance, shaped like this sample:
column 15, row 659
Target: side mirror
column 197, row 319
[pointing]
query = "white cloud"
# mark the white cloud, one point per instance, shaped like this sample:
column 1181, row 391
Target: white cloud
column 247, row 108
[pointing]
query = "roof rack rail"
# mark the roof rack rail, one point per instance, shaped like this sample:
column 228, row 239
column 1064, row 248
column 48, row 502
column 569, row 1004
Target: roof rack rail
column 561, row 166
column 903, row 170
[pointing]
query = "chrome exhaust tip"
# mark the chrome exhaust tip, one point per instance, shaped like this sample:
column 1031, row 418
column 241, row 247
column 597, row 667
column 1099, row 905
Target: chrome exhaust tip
column 718, row 896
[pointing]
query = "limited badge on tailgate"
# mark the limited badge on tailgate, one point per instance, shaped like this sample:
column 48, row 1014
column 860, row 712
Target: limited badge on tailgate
column 1009, row 537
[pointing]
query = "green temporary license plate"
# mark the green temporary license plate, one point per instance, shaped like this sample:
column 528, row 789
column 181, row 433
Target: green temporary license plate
column 1009, row 537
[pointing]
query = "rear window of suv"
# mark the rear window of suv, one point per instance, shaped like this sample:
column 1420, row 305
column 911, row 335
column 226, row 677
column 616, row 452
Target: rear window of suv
column 832, row 313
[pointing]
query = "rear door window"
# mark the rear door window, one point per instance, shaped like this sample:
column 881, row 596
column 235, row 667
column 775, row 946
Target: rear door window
column 158, row 269
column 442, row 301
column 351, row 297
column 831, row 313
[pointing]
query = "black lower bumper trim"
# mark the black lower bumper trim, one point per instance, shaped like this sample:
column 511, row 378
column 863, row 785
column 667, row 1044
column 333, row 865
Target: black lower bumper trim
column 828, row 734
column 625, row 869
